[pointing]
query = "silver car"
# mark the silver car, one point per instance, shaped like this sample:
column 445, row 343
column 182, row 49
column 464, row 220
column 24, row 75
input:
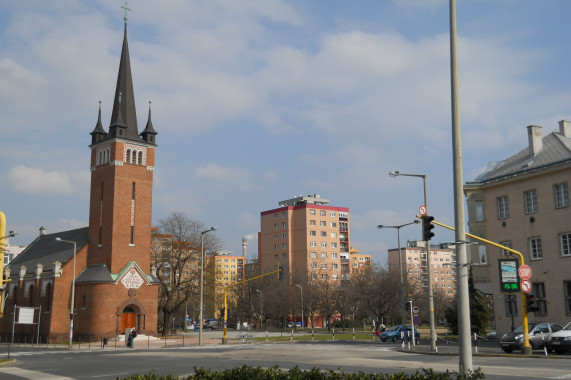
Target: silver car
column 538, row 336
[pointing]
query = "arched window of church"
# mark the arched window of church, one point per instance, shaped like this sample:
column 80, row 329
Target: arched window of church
column 140, row 159
column 107, row 154
column 49, row 297
column 128, row 160
column 31, row 295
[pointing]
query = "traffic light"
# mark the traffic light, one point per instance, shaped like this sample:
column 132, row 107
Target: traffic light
column 530, row 303
column 427, row 227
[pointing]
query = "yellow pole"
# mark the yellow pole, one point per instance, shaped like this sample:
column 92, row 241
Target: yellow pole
column 225, row 338
column 525, row 321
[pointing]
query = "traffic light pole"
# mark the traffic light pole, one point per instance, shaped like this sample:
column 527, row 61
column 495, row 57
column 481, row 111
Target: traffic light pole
column 526, row 350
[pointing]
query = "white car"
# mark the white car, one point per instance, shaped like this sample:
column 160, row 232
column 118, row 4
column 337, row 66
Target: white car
column 560, row 341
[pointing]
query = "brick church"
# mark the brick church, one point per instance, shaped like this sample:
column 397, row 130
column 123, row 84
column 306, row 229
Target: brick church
column 115, row 286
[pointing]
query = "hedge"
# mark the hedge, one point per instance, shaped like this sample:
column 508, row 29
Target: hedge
column 245, row 372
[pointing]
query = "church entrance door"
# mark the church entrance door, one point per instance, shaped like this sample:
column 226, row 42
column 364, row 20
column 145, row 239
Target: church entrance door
column 127, row 319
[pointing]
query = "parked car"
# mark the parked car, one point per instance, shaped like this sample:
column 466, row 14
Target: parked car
column 538, row 336
column 492, row 335
column 211, row 324
column 397, row 332
column 560, row 341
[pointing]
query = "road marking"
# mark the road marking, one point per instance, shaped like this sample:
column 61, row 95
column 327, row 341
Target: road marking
column 32, row 375
column 568, row 376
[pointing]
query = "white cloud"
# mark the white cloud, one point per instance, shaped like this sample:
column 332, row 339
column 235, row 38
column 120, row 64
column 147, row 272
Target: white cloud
column 34, row 180
column 234, row 175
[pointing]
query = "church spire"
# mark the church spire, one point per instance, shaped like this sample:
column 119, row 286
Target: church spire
column 98, row 132
column 124, row 115
column 149, row 133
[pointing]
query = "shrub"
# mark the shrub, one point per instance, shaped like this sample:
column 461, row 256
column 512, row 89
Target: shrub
column 245, row 372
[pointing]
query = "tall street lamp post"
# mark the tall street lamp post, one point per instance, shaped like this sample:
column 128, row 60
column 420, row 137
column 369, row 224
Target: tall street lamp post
column 202, row 283
column 428, row 263
column 380, row 226
column 302, row 321
column 72, row 303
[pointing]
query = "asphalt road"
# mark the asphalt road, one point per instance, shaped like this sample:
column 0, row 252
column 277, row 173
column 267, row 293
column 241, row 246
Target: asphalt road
column 59, row 364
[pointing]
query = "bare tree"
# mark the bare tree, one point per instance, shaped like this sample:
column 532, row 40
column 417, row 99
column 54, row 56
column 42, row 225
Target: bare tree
column 175, row 253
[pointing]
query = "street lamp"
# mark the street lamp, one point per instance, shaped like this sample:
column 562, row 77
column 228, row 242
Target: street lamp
column 396, row 173
column 261, row 306
column 202, row 282
column 72, row 304
column 380, row 226
column 302, row 321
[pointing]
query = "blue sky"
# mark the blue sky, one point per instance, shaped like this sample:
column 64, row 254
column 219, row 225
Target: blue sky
column 258, row 101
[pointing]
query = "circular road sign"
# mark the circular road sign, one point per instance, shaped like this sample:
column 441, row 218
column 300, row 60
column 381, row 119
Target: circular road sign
column 526, row 286
column 415, row 309
column 524, row 272
column 422, row 210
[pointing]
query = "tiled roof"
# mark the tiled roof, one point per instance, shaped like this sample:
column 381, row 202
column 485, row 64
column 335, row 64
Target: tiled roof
column 46, row 250
column 556, row 151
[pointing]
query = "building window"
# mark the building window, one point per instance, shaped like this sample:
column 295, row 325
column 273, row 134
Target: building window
column 276, row 257
column 323, row 234
column 313, row 255
column 567, row 286
column 332, row 214
column 324, row 276
column 333, row 255
column 312, row 233
column 312, row 222
column 503, row 208
column 561, row 195
column 343, row 215
column 323, row 266
column 540, row 301
column 535, row 248
column 323, row 255
column 275, row 227
column 284, row 214
column 343, row 227
column 479, row 206
column 322, row 213
column 284, row 224
column 314, row 276
column 483, row 252
column 276, row 237
column 284, row 246
column 284, row 256
column 313, row 244
column 323, row 223
column 323, row 244
column 511, row 305
column 334, row 277
column 334, row 224
column 507, row 244
column 276, row 247
column 530, row 198
column 311, row 212
column 314, row 265
column 566, row 244
column 333, row 235
column 284, row 235
column 276, row 216
column 333, row 245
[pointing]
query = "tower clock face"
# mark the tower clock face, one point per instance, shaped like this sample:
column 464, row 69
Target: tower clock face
column 132, row 280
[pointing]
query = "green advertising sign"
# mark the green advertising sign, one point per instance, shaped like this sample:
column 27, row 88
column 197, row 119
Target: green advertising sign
column 509, row 277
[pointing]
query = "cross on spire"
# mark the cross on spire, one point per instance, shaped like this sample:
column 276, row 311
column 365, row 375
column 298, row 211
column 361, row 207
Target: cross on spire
column 126, row 9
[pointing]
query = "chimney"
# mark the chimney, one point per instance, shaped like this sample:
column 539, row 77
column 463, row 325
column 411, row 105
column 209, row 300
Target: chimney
column 42, row 230
column 565, row 128
column 535, row 139
column 244, row 247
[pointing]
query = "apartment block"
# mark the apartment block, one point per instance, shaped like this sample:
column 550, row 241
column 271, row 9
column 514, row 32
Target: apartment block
column 415, row 267
column 307, row 238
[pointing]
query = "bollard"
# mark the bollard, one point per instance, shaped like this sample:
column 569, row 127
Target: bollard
column 409, row 345
column 436, row 344
column 476, row 342
column 333, row 334
column 544, row 344
column 354, row 333
column 311, row 334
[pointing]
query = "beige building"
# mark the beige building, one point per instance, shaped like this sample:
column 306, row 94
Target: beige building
column 358, row 264
column 306, row 237
column 415, row 269
column 227, row 270
column 522, row 203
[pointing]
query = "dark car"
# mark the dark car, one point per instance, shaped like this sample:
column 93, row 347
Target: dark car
column 397, row 332
column 538, row 336
column 560, row 341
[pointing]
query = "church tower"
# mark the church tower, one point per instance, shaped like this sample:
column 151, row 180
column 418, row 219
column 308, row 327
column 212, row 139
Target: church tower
column 117, row 289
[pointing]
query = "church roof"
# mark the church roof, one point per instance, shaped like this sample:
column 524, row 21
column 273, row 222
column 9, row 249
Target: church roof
column 556, row 151
column 46, row 250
